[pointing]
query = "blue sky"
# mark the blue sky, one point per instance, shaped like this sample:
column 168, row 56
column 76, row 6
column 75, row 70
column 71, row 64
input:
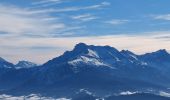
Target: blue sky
column 38, row 30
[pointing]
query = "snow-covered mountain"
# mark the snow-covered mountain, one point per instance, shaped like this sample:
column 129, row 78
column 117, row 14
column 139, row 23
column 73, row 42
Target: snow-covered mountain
column 24, row 64
column 21, row 64
column 100, row 69
column 99, row 56
column 106, row 56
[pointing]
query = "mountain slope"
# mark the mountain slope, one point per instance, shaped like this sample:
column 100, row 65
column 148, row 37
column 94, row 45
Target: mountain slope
column 159, row 59
column 5, row 64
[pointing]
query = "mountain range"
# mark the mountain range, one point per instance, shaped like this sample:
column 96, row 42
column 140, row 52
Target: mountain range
column 102, row 70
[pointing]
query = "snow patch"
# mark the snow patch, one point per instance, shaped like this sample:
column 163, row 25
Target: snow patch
column 5, row 66
column 144, row 63
column 29, row 97
column 62, row 99
column 165, row 94
column 117, row 59
column 86, row 91
column 24, row 64
column 87, row 61
column 127, row 93
column 133, row 56
column 92, row 53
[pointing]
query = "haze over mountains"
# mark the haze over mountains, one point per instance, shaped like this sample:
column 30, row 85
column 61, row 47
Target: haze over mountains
column 99, row 70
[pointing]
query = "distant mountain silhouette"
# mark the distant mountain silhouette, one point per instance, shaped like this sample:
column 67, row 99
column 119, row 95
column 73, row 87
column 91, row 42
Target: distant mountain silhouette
column 101, row 69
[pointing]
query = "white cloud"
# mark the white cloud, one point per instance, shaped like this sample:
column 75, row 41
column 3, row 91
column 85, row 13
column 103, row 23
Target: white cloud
column 102, row 4
column 40, row 2
column 106, row 3
column 73, row 8
column 47, row 3
column 21, row 22
column 84, row 17
column 18, row 21
column 116, row 21
column 163, row 17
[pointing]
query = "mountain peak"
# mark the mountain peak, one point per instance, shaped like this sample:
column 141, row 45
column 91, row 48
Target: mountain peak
column 126, row 52
column 5, row 64
column 162, row 51
column 129, row 55
column 89, row 55
column 81, row 46
column 158, row 56
column 24, row 64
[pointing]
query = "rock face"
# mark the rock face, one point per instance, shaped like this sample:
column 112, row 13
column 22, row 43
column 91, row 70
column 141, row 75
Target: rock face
column 5, row 66
column 100, row 69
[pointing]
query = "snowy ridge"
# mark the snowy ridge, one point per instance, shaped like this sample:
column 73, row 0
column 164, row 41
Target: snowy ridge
column 102, row 56
column 128, row 93
column 5, row 64
column 92, row 53
column 91, row 58
column 24, row 64
column 87, row 61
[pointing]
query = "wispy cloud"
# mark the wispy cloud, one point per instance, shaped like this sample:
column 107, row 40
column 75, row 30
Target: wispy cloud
column 116, row 21
column 40, row 2
column 164, row 36
column 162, row 17
column 84, row 17
column 47, row 3
column 137, row 43
column 18, row 21
column 71, row 9
column 28, row 21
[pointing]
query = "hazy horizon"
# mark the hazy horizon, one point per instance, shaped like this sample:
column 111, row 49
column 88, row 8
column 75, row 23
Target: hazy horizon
column 39, row 30
column 54, row 56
